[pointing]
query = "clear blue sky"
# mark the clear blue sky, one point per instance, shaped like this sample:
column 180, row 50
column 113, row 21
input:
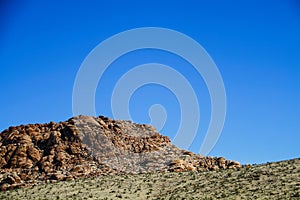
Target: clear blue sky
column 255, row 44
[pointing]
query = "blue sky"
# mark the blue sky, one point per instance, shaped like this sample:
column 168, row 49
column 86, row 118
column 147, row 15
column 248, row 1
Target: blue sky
column 255, row 44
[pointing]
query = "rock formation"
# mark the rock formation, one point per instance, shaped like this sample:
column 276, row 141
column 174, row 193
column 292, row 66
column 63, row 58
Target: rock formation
column 91, row 146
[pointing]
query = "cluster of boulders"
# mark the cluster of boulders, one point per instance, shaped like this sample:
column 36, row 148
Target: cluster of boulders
column 201, row 163
column 91, row 146
column 34, row 153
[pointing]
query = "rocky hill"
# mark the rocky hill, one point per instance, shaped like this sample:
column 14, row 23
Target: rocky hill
column 91, row 146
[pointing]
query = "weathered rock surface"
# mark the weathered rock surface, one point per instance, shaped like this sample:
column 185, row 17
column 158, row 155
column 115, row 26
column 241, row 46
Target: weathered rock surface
column 91, row 146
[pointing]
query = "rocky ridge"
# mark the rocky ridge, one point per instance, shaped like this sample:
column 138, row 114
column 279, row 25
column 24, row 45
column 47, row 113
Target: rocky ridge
column 91, row 146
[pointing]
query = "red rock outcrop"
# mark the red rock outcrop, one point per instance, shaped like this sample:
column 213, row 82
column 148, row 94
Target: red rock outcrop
column 91, row 146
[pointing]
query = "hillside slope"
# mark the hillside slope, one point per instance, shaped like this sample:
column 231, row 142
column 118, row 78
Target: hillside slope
column 280, row 180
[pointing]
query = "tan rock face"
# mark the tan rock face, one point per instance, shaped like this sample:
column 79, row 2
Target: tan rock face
column 91, row 146
column 33, row 153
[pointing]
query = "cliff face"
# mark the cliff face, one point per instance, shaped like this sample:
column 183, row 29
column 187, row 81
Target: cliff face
column 91, row 146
